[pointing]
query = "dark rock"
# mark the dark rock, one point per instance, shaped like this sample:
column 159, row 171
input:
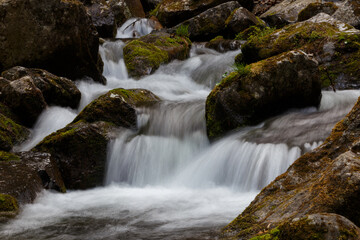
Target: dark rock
column 80, row 148
column 173, row 12
column 261, row 90
column 103, row 19
column 241, row 19
column 136, row 8
column 11, row 133
column 56, row 90
column 210, row 23
column 314, row 9
column 56, row 35
column 144, row 55
column 223, row 45
column 326, row 180
column 275, row 21
column 349, row 12
column 150, row 4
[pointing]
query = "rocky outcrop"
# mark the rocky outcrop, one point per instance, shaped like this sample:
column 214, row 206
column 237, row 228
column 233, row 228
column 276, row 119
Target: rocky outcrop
column 47, row 38
column 242, row 19
column 316, row 186
column 143, row 56
column 334, row 45
column 80, row 148
column 171, row 13
column 212, row 22
column 349, row 12
column 314, row 9
column 55, row 90
column 255, row 92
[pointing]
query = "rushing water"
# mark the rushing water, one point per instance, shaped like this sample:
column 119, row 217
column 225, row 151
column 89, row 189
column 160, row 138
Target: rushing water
column 165, row 180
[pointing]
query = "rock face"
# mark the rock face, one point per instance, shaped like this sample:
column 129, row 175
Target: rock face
column 49, row 38
column 56, row 90
column 80, row 147
column 326, row 180
column 23, row 175
column 173, row 12
column 260, row 90
column 349, row 12
column 242, row 19
column 143, row 56
column 210, row 23
column 334, row 45
column 314, row 9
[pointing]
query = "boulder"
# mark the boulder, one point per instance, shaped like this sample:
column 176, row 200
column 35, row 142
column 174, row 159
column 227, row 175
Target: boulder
column 56, row 35
column 314, row 9
column 255, row 92
column 212, row 22
column 144, row 55
column 223, row 45
column 24, row 175
column 349, row 12
column 173, row 12
column 11, row 133
column 335, row 45
column 55, row 90
column 325, row 180
column 80, row 148
column 262, row 6
column 242, row 19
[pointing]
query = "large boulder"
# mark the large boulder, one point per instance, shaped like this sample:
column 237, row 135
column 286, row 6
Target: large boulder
column 210, row 23
column 143, row 56
column 56, row 90
column 314, row 9
column 261, row 90
column 173, row 12
column 349, row 12
column 326, row 180
column 80, row 148
column 335, row 45
column 56, row 35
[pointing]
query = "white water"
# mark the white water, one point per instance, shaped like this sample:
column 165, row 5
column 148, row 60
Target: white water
column 166, row 181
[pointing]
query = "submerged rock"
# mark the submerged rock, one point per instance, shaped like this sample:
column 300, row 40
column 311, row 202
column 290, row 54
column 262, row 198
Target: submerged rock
column 261, row 90
column 56, row 35
column 144, row 55
column 80, row 148
column 316, row 186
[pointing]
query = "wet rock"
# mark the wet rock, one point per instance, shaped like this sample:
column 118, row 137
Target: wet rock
column 55, row 35
column 143, row 56
column 11, row 133
column 242, row 19
column 210, row 23
column 24, row 175
column 223, row 45
column 326, row 180
column 55, row 90
column 261, row 90
column 80, row 148
column 314, row 9
column 334, row 45
column 171, row 13
column 349, row 12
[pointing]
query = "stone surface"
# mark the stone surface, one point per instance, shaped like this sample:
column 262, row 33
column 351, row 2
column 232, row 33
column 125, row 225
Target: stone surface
column 11, row 133
column 261, row 90
column 48, row 38
column 314, row 9
column 223, row 45
column 349, row 12
column 242, row 19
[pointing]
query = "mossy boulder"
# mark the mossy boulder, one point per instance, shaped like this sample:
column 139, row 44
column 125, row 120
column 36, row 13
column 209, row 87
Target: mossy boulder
column 173, row 12
column 240, row 20
column 334, row 45
column 143, row 56
column 211, row 22
column 260, row 90
column 223, row 45
column 314, row 9
column 55, row 90
column 80, row 148
column 349, row 12
column 326, row 180
column 56, row 35
column 11, row 133
column 8, row 207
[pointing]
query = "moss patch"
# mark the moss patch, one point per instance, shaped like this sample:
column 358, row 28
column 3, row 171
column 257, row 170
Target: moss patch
column 11, row 133
column 6, row 156
column 8, row 203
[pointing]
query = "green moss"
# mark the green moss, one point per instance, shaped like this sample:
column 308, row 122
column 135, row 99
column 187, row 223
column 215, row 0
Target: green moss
column 183, row 31
column 155, row 11
column 6, row 156
column 11, row 133
column 8, row 203
column 272, row 235
column 242, row 69
column 215, row 39
column 228, row 20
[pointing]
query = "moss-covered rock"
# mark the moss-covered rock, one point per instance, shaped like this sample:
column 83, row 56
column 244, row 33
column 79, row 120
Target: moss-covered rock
column 145, row 55
column 314, row 9
column 241, row 19
column 80, row 148
column 11, row 133
column 223, row 45
column 326, row 180
column 260, row 90
column 334, row 45
column 8, row 203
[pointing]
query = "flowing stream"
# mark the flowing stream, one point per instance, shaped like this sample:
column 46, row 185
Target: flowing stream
column 165, row 180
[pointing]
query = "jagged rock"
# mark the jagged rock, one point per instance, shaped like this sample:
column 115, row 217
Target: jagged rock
column 223, row 45
column 144, row 55
column 326, row 180
column 349, row 12
column 210, row 23
column 173, row 12
column 314, row 9
column 24, row 175
column 260, row 90
column 334, row 45
column 242, row 19
column 55, row 90
column 56, row 35
column 80, row 148
column 11, row 133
